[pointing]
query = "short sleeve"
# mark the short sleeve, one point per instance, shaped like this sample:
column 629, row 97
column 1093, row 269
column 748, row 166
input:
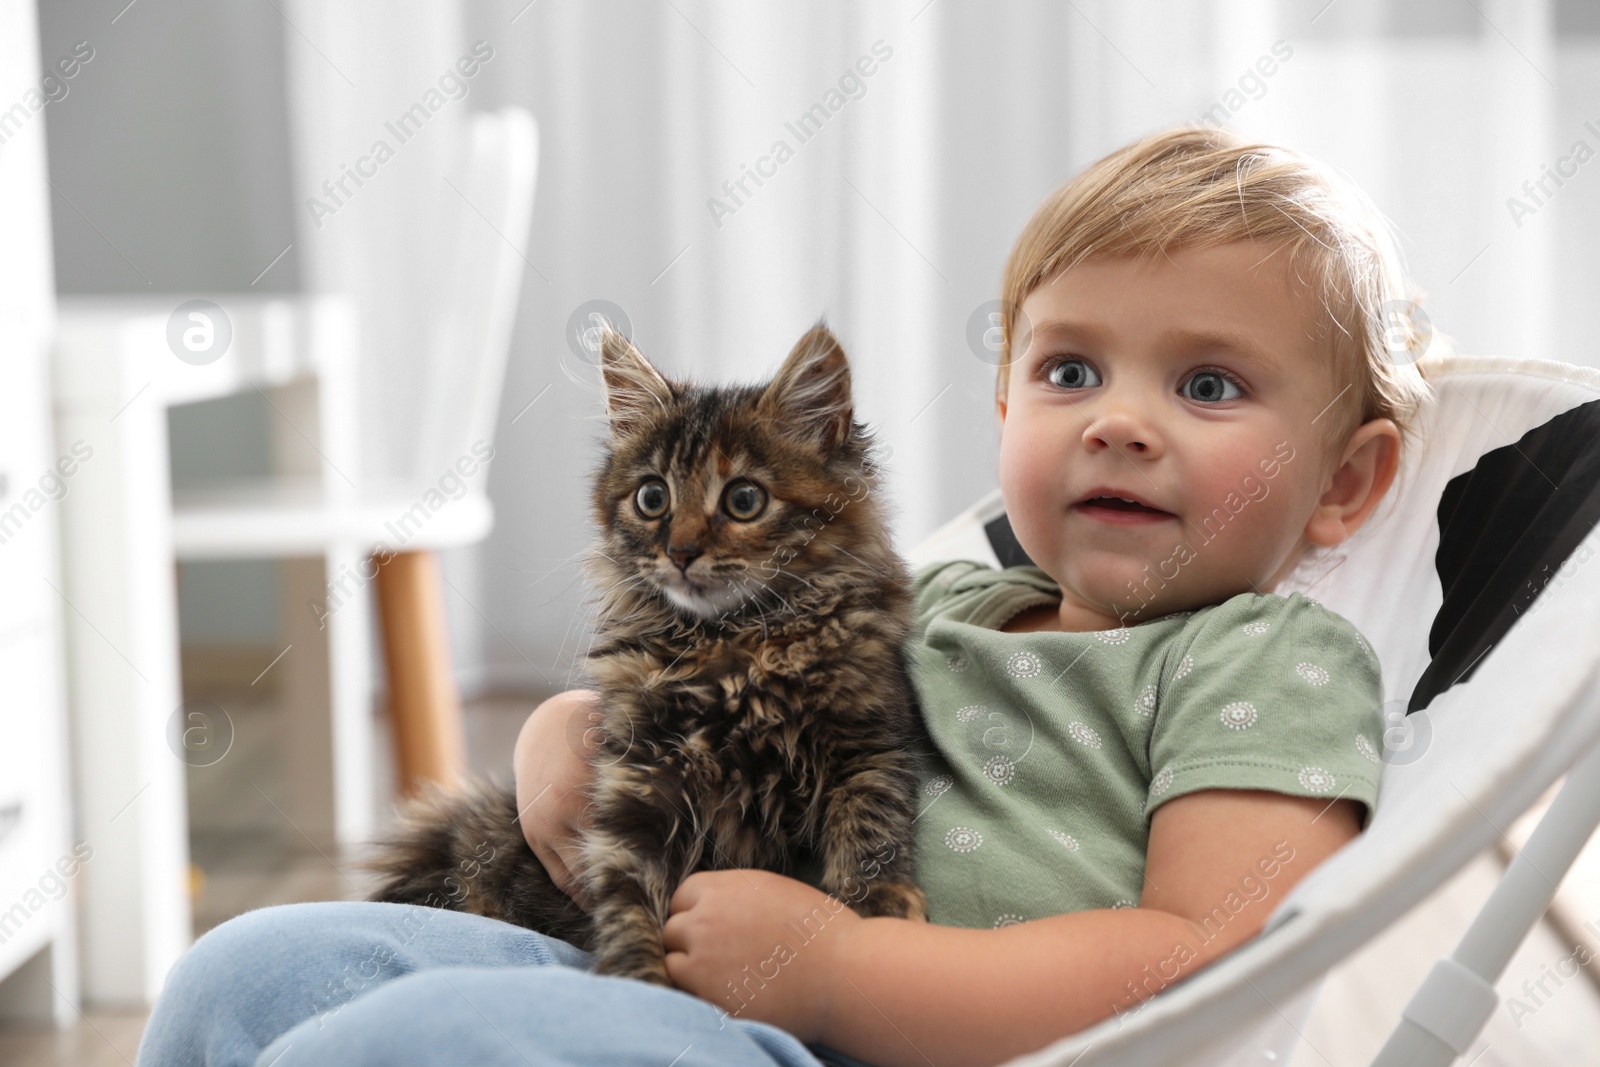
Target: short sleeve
column 932, row 584
column 1268, row 692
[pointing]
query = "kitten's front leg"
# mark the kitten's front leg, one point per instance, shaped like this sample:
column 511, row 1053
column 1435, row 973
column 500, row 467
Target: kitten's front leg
column 637, row 854
column 866, row 838
column 632, row 889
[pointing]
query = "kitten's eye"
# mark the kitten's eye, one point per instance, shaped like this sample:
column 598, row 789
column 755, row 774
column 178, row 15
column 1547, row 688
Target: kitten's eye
column 744, row 500
column 1209, row 386
column 1072, row 374
column 651, row 500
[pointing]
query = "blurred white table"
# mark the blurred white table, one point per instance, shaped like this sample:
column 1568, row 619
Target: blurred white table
column 115, row 377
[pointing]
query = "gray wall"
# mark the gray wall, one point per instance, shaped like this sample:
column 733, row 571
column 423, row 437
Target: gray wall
column 169, row 157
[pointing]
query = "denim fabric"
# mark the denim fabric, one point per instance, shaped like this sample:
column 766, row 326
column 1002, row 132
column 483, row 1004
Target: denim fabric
column 353, row 983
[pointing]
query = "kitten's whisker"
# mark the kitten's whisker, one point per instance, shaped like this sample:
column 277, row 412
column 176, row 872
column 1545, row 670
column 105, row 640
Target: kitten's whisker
column 802, row 580
column 765, row 589
column 761, row 614
column 558, row 566
column 853, row 556
column 631, row 583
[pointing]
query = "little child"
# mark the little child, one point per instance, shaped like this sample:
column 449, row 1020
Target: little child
column 1135, row 747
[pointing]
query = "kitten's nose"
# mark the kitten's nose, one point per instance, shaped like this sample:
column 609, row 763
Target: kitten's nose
column 683, row 555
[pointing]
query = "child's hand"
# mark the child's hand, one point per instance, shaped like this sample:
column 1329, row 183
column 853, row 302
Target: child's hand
column 552, row 775
column 758, row 946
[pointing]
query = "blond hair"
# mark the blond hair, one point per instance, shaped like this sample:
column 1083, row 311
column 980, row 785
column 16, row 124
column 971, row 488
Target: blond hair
column 1203, row 185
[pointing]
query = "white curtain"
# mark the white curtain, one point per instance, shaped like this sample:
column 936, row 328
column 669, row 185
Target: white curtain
column 353, row 71
column 894, row 215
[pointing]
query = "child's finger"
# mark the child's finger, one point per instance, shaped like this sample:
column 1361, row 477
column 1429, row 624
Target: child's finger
column 688, row 893
column 677, row 968
column 673, row 939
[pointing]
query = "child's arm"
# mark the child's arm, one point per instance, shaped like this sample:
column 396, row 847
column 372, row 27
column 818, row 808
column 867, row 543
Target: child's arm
column 551, row 770
column 903, row 994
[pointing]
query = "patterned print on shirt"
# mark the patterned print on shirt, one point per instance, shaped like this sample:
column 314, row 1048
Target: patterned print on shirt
column 962, row 839
column 1067, row 840
column 999, row 770
column 1083, row 734
column 1316, row 779
column 1240, row 715
column 1023, row 665
column 1313, row 674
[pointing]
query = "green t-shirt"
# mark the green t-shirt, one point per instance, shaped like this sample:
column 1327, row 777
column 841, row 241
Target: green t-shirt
column 1050, row 750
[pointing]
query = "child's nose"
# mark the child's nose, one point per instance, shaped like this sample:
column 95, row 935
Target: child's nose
column 1124, row 428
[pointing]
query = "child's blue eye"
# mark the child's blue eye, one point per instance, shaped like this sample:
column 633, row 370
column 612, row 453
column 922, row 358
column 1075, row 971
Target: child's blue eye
column 1209, row 386
column 1072, row 374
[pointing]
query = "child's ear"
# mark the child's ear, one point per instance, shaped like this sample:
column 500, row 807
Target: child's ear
column 1371, row 460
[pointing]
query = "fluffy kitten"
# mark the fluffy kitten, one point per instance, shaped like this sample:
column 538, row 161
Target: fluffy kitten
column 756, row 704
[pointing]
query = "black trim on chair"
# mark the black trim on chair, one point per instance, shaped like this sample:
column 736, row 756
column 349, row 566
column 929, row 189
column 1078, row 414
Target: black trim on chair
column 1004, row 543
column 1505, row 529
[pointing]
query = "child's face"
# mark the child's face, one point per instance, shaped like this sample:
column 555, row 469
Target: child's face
column 1108, row 396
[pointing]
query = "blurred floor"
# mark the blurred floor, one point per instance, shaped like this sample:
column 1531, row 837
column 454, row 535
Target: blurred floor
column 249, row 857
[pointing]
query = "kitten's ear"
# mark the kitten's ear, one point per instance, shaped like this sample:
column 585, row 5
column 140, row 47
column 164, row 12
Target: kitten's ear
column 811, row 393
column 634, row 388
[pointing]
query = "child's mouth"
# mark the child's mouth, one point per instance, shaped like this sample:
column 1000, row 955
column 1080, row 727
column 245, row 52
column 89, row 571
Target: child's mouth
column 1121, row 511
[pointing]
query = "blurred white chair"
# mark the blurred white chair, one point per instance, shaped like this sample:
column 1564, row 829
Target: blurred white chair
column 338, row 529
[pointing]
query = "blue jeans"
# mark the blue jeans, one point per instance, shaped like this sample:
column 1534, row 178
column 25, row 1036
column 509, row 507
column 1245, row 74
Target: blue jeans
column 352, row 983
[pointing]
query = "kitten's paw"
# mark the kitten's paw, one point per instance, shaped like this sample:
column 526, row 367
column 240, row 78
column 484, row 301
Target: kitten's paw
column 634, row 966
column 896, row 900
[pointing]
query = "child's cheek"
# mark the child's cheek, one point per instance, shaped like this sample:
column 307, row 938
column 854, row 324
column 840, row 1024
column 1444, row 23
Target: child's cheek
column 1018, row 476
column 1027, row 475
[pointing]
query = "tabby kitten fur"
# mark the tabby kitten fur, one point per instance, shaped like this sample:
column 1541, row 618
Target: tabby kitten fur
column 756, row 705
